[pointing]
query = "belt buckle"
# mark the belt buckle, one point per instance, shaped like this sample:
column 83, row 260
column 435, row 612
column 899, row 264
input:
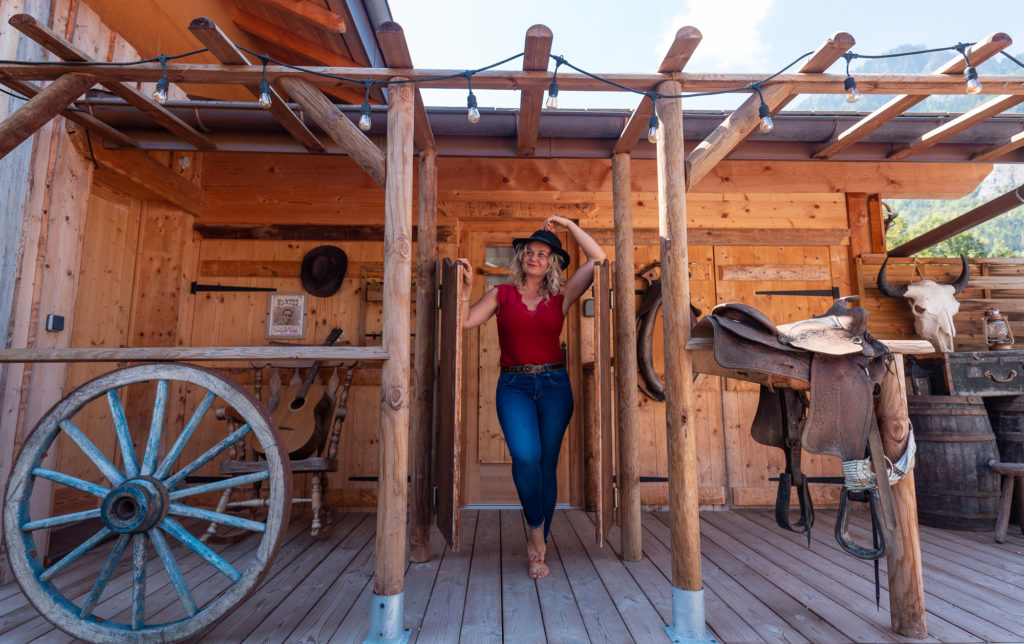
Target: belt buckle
column 533, row 369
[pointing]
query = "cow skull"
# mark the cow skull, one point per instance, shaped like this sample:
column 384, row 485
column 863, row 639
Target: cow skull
column 932, row 304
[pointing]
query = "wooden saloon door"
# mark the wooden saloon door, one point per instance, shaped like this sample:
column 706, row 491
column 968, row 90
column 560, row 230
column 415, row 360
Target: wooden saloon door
column 602, row 459
column 449, row 405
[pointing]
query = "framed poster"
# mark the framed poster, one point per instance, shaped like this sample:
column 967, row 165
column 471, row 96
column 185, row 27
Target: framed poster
column 286, row 316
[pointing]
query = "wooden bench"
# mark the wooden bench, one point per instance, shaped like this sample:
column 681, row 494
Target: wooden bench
column 1010, row 472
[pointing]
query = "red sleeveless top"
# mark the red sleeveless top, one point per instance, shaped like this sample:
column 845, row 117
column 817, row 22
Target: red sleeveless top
column 525, row 336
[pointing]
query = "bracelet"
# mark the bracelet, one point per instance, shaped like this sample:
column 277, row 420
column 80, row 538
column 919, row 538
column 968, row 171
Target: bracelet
column 466, row 299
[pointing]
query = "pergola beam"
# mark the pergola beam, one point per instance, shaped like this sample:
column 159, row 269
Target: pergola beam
column 45, row 105
column 978, row 53
column 537, row 51
column 28, row 90
column 679, row 53
column 990, row 210
column 313, row 14
column 208, row 33
column 996, row 151
column 391, row 38
column 64, row 50
column 981, row 113
column 337, row 126
column 828, row 53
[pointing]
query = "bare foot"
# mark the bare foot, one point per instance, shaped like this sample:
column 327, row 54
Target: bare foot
column 539, row 570
column 535, row 546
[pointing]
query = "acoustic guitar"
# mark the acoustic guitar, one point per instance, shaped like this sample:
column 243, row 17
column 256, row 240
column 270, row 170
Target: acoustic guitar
column 303, row 413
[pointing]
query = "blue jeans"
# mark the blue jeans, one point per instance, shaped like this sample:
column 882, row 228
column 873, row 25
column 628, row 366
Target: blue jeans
column 534, row 411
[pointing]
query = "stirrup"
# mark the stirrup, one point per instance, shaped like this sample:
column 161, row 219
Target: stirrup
column 788, row 480
column 843, row 521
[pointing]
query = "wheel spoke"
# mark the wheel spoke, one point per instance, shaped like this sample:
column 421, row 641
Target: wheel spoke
column 104, row 465
column 171, row 566
column 70, row 481
column 124, row 435
column 181, row 510
column 156, row 427
column 186, row 433
column 105, row 574
column 74, row 555
column 233, row 481
column 175, row 529
column 139, row 581
column 64, row 519
column 207, row 456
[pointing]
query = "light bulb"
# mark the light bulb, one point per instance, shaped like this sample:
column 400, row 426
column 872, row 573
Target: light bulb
column 766, row 119
column 473, row 114
column 265, row 100
column 973, row 84
column 364, row 118
column 852, row 93
column 653, row 133
column 160, row 93
column 553, row 96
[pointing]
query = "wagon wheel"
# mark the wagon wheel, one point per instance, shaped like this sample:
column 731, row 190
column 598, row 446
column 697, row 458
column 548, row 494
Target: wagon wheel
column 140, row 504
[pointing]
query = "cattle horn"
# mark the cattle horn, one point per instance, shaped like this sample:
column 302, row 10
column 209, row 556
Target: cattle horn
column 965, row 276
column 888, row 289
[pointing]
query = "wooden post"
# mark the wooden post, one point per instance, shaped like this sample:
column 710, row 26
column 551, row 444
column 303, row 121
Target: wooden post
column 687, row 587
column 903, row 559
column 426, row 331
column 628, row 475
column 41, row 108
column 393, row 487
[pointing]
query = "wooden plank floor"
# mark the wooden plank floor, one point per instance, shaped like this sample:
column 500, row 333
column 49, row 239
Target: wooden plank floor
column 761, row 585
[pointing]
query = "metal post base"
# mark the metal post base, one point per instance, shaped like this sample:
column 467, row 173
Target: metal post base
column 688, row 618
column 386, row 620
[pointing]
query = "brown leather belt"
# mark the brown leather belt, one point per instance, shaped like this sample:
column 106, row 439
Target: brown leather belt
column 534, row 368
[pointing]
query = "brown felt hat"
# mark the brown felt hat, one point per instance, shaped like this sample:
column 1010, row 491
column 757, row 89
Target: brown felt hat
column 323, row 268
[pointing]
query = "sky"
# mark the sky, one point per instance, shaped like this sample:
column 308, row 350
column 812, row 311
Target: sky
column 755, row 36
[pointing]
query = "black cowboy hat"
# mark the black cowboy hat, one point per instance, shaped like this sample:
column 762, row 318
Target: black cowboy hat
column 545, row 237
column 323, row 268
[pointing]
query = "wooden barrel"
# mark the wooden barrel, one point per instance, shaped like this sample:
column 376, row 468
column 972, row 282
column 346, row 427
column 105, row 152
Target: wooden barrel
column 1006, row 413
column 955, row 487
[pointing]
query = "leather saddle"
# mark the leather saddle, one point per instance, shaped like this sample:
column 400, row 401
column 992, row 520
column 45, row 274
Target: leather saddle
column 841, row 364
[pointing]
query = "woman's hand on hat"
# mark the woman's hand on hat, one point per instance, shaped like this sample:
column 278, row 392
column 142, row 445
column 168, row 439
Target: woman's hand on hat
column 554, row 223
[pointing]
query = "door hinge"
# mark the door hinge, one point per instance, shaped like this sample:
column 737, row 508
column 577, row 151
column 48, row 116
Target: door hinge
column 615, row 496
column 438, row 294
column 433, row 495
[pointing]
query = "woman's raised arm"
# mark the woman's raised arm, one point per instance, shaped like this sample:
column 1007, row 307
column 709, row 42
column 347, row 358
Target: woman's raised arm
column 584, row 275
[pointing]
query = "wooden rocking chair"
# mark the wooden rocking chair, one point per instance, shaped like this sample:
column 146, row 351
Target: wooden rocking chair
column 310, row 431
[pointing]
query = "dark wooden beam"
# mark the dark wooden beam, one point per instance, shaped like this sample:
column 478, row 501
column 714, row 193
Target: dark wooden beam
column 978, row 53
column 45, row 105
column 296, row 232
column 990, row 210
column 391, row 38
column 736, row 236
column 537, row 52
column 208, row 33
column 28, row 90
column 64, row 50
column 679, row 53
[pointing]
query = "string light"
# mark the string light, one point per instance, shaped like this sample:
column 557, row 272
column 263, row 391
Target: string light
column 472, row 113
column 553, row 87
column 765, row 114
column 264, row 95
column 653, row 133
column 364, row 111
column 162, row 85
column 970, row 73
column 850, row 85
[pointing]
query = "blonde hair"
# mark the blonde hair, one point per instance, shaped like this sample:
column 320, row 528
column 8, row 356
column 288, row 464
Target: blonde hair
column 553, row 281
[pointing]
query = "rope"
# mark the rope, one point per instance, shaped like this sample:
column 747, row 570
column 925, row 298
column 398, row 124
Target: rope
column 860, row 475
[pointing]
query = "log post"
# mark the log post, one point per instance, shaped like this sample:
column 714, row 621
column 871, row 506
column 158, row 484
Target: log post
column 386, row 609
column 41, row 108
column 628, row 475
column 688, row 621
column 903, row 558
column 426, row 330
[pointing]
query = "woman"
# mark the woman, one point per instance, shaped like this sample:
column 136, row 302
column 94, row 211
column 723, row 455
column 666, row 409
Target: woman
column 534, row 397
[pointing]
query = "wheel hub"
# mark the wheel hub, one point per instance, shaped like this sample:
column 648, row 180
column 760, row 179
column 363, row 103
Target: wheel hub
column 136, row 505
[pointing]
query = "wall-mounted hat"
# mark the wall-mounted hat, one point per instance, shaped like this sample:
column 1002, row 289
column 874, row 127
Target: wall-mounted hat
column 546, row 237
column 323, row 268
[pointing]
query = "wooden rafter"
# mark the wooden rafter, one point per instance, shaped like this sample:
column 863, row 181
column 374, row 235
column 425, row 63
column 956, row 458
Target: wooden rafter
column 326, row 114
column 978, row 53
column 738, row 126
column 679, row 53
column 353, row 40
column 537, row 51
column 996, row 151
column 981, row 113
column 45, row 105
column 391, row 38
column 208, row 33
column 64, row 50
column 313, row 14
column 28, row 90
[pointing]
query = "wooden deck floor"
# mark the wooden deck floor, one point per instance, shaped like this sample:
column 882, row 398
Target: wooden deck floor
column 761, row 584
